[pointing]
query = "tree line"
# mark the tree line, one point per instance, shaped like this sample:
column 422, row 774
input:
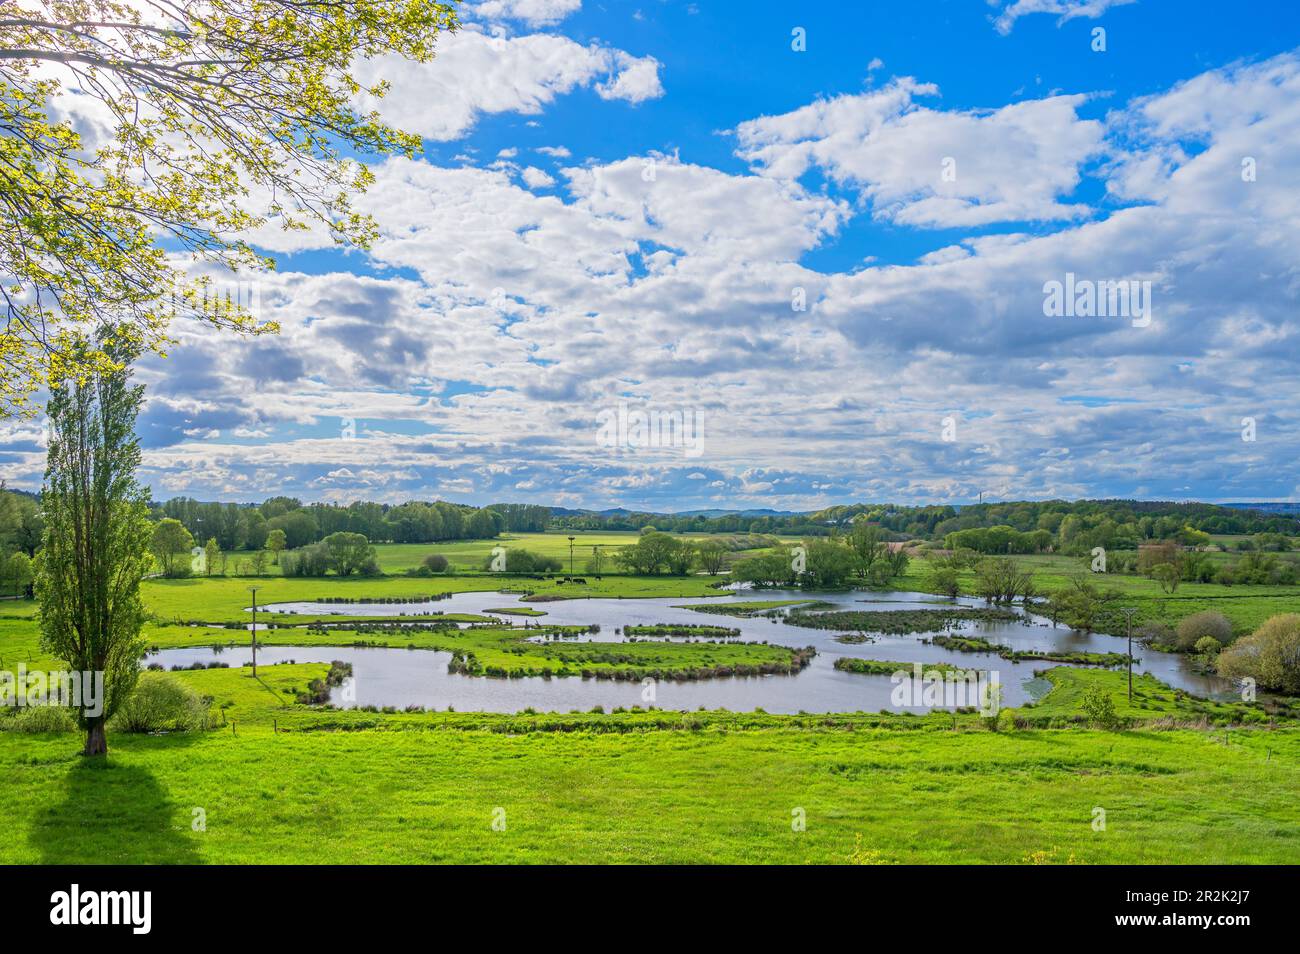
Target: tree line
column 863, row 554
column 1072, row 526
column 250, row 526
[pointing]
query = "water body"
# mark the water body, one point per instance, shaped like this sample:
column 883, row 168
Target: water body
column 402, row 677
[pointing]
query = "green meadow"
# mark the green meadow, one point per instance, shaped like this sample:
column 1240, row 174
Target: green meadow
column 1180, row 779
column 470, row 555
column 702, row 792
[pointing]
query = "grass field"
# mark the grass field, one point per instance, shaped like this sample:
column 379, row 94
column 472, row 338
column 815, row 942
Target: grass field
column 470, row 554
column 1184, row 780
column 710, row 795
column 466, row 555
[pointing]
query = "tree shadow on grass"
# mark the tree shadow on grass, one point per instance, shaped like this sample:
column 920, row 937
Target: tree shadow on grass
column 113, row 813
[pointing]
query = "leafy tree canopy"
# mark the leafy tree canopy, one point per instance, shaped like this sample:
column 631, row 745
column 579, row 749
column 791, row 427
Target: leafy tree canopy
column 212, row 118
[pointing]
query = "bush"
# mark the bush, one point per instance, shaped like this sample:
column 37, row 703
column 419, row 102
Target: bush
column 313, row 560
column 1099, row 707
column 1270, row 655
column 1158, row 634
column 40, row 719
column 943, row 579
column 159, row 703
column 1199, row 625
column 435, row 563
column 1208, row 646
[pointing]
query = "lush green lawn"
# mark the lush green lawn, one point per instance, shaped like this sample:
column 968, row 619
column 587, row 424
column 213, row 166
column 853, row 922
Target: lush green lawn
column 651, row 786
column 655, row 796
column 20, row 642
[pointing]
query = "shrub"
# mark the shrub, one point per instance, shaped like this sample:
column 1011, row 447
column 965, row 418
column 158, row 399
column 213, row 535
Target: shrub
column 1270, row 655
column 1199, row 625
column 318, row 690
column 1099, row 707
column 313, row 560
column 435, row 563
column 159, row 703
column 1208, row 646
column 40, row 719
column 943, row 579
column 1158, row 634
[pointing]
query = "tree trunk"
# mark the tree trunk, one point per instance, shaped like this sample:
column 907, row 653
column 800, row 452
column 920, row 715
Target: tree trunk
column 96, row 742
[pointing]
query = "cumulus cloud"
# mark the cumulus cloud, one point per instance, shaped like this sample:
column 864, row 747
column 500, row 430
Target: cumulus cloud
column 634, row 79
column 536, row 178
column 476, row 74
column 499, row 321
column 534, row 13
column 928, row 167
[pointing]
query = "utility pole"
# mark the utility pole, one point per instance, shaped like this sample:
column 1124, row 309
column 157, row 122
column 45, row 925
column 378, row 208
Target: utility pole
column 1128, row 612
column 253, row 590
column 571, row 556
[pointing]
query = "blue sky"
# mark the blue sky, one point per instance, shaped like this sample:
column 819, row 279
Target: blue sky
column 620, row 203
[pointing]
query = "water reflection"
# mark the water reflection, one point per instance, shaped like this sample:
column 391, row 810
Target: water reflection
column 401, row 677
column 419, row 677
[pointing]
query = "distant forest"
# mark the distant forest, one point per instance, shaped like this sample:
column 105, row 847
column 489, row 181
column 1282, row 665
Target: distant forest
column 1047, row 525
column 1022, row 527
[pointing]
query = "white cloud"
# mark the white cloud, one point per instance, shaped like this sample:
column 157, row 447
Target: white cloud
column 690, row 207
column 927, row 167
column 532, row 12
column 535, row 178
column 1063, row 9
column 476, row 74
column 636, row 79
column 675, row 290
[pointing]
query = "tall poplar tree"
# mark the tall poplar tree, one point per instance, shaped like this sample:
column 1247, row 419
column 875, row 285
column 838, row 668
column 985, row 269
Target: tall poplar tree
column 97, row 531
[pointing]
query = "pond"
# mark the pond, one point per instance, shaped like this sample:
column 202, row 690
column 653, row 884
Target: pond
column 402, row 677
